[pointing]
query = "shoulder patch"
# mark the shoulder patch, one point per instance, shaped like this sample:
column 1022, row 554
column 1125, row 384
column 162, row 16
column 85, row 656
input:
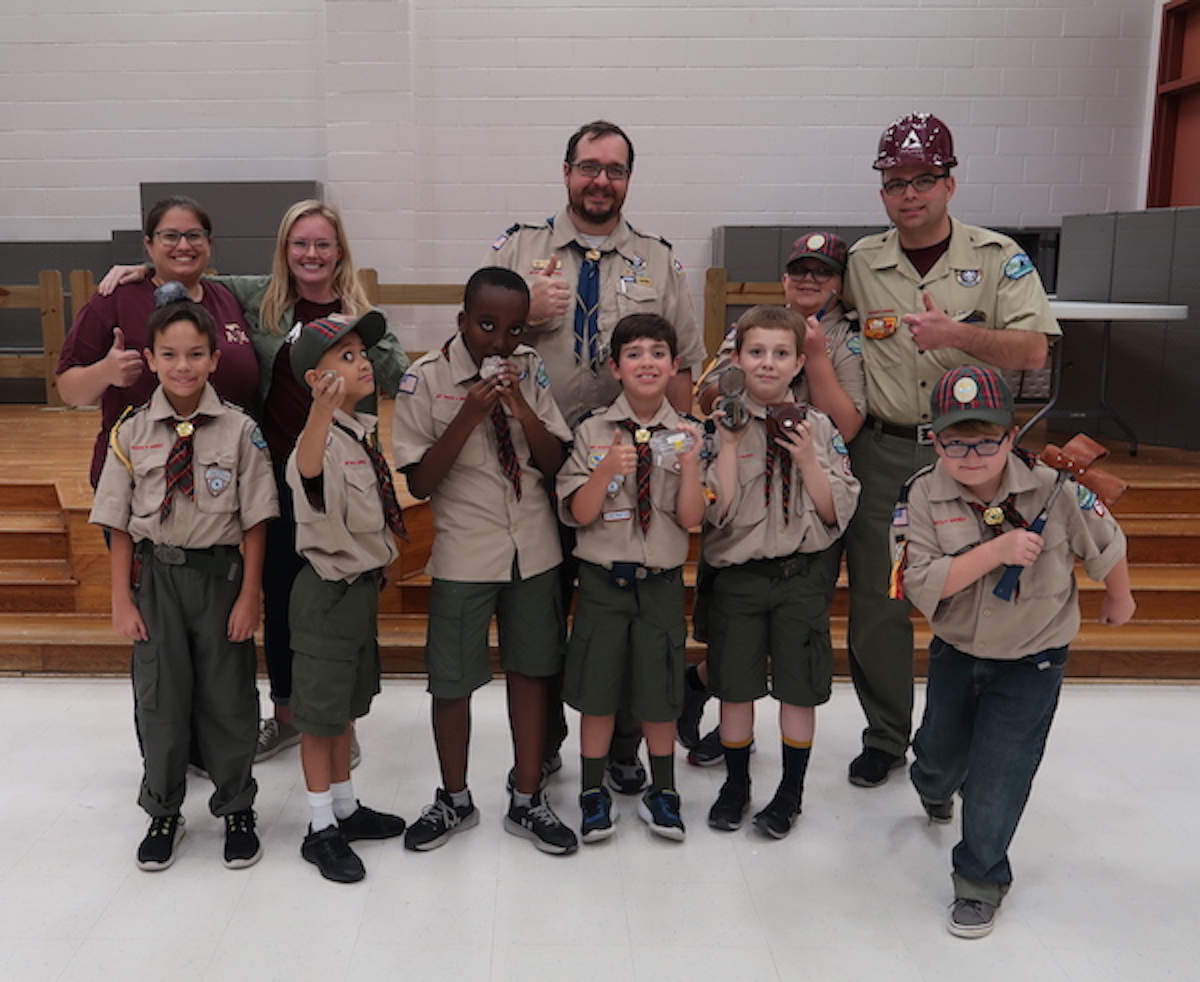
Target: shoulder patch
column 408, row 384
column 257, row 438
column 1018, row 266
column 838, row 444
column 854, row 343
column 1086, row 497
column 542, row 377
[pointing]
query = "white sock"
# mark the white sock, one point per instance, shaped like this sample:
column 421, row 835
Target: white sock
column 321, row 803
column 344, row 802
column 461, row 799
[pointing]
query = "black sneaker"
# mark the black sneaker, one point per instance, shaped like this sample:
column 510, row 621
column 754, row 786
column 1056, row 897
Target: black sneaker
column 777, row 818
column 329, row 851
column 157, row 851
column 627, row 776
column 367, row 823
column 729, row 809
column 242, row 847
column 538, row 823
column 660, row 810
column 438, row 822
column 971, row 918
column 688, row 726
column 551, row 765
column 872, row 767
column 599, row 815
column 940, row 812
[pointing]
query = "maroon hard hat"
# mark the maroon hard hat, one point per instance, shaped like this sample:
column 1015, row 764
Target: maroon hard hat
column 918, row 138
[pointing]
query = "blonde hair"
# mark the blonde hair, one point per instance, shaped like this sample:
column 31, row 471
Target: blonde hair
column 282, row 292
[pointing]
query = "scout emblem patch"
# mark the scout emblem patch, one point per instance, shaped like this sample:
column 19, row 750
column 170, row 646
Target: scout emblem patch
column 968, row 277
column 966, row 389
column 1020, row 265
column 877, row 328
column 217, row 479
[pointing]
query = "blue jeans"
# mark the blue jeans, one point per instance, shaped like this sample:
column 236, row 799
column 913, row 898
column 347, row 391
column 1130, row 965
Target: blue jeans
column 983, row 735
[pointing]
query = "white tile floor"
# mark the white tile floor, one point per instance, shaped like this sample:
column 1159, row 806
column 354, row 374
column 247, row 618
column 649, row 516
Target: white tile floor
column 1107, row 860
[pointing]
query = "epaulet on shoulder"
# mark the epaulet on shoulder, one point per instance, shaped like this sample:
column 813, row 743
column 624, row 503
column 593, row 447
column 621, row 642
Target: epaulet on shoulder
column 907, row 486
column 433, row 354
column 588, row 415
column 233, row 405
column 649, row 235
column 1025, row 457
column 694, row 420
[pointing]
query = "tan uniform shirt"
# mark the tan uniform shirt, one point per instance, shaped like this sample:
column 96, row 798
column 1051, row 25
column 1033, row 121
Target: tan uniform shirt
column 233, row 484
column 982, row 271
column 346, row 535
column 478, row 519
column 638, row 274
column 939, row 524
column 842, row 341
column 616, row 536
column 751, row 530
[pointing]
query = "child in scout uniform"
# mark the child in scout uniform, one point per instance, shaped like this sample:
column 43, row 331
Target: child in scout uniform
column 346, row 514
column 784, row 493
column 477, row 431
column 995, row 664
column 632, row 487
column 186, row 481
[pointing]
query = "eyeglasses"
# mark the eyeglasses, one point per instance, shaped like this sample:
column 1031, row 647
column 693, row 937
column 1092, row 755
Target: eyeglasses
column 956, row 449
column 820, row 274
column 591, row 168
column 171, row 236
column 323, row 246
column 921, row 183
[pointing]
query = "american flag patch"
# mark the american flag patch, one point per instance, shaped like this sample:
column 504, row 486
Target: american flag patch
column 408, row 384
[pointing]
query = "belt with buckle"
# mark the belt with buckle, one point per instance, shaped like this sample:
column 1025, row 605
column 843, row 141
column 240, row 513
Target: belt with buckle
column 783, row 568
column 625, row 576
column 922, row 433
column 222, row 561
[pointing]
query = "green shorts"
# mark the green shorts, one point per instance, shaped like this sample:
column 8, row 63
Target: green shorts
column 772, row 614
column 335, row 669
column 627, row 647
column 529, row 625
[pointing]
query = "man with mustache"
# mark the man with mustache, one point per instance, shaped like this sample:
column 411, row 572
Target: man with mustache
column 587, row 267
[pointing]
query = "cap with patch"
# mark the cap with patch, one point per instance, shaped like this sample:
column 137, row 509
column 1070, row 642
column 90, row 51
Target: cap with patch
column 823, row 246
column 971, row 392
column 317, row 337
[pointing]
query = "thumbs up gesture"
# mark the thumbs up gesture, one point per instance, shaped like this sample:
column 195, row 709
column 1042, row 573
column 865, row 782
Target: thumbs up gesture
column 549, row 293
column 124, row 365
column 621, row 457
column 932, row 328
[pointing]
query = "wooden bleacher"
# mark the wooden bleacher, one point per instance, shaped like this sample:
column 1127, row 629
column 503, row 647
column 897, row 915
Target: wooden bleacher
column 54, row 574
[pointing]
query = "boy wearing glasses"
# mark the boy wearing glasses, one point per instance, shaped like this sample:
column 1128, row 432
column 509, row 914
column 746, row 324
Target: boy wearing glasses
column 931, row 294
column 995, row 665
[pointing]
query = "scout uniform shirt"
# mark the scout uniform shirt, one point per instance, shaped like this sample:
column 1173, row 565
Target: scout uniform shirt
column 340, row 525
column 639, row 274
column 233, row 482
column 751, row 530
column 844, row 344
column 937, row 523
column 983, row 277
column 478, row 520
column 616, row 536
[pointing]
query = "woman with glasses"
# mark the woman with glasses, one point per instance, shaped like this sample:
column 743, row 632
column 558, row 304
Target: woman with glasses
column 312, row 276
column 102, row 360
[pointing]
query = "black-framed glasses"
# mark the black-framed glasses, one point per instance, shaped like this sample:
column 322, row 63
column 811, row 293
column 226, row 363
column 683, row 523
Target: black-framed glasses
column 921, row 183
column 593, row 168
column 958, row 449
column 820, row 274
column 171, row 236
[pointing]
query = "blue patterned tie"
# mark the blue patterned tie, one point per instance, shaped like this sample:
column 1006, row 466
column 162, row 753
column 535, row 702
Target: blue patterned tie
column 587, row 309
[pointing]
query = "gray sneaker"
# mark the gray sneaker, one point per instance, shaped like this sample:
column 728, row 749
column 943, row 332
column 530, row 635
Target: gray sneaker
column 971, row 918
column 274, row 736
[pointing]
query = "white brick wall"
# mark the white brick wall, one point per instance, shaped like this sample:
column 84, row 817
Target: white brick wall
column 435, row 123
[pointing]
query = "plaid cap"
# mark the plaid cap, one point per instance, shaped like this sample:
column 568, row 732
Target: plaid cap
column 317, row 337
column 971, row 392
column 825, row 246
